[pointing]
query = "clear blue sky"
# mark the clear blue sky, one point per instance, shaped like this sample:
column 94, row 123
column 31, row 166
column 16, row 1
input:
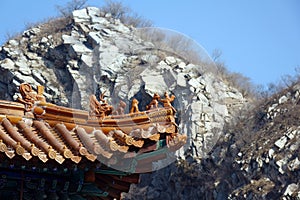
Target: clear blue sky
column 258, row 38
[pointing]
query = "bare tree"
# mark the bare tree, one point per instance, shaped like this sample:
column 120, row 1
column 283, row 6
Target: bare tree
column 137, row 21
column 119, row 11
column 115, row 8
column 216, row 55
column 70, row 7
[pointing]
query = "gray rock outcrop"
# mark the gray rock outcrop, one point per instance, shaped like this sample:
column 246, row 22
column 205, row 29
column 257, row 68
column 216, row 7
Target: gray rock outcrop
column 100, row 53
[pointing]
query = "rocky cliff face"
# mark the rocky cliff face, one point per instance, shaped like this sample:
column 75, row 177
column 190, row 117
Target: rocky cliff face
column 256, row 158
column 270, row 157
column 93, row 53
